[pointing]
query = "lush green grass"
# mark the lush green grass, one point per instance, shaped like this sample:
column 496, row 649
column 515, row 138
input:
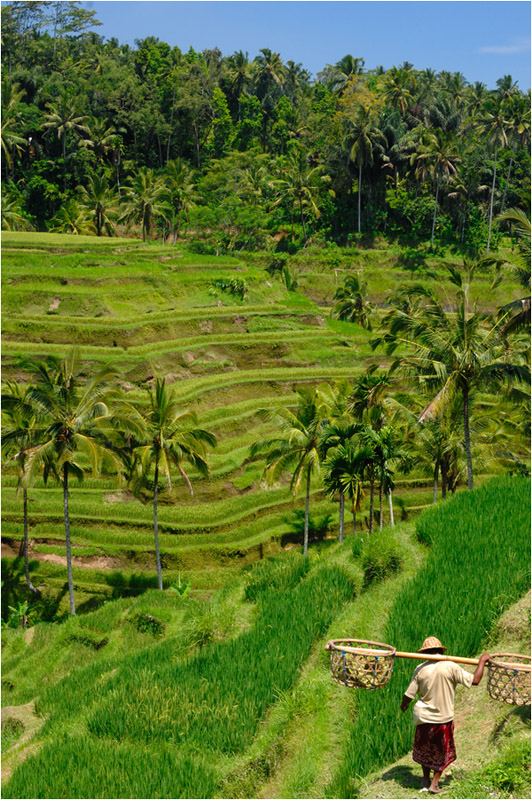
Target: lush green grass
column 476, row 569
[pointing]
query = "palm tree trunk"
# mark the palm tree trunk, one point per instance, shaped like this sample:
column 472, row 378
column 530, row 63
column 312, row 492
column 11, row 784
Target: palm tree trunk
column 371, row 503
column 359, row 193
column 67, row 539
column 307, row 503
column 29, row 584
column 381, row 511
column 354, row 520
column 507, row 179
column 444, row 470
column 435, row 213
column 302, row 220
column 491, row 201
column 392, row 518
column 467, row 437
column 341, row 522
column 156, row 530
column 435, row 492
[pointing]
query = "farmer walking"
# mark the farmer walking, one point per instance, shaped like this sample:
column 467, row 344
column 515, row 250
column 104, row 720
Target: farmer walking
column 436, row 682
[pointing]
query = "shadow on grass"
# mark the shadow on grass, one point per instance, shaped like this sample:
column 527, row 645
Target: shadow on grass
column 130, row 585
column 410, row 777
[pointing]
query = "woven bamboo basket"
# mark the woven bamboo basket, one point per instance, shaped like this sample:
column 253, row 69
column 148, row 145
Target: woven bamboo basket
column 361, row 664
column 508, row 683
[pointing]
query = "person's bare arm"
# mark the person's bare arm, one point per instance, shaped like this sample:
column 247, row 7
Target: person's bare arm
column 478, row 673
column 405, row 702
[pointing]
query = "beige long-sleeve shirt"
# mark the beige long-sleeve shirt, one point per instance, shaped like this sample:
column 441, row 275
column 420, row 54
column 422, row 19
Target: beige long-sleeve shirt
column 436, row 682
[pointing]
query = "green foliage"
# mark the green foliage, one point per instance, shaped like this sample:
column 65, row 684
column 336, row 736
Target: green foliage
column 468, row 531
column 146, row 623
column 380, row 556
column 233, row 286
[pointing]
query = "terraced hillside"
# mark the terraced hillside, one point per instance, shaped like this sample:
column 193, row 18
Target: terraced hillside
column 158, row 310
column 233, row 697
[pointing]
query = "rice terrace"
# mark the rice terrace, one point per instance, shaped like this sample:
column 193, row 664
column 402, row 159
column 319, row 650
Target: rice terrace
column 265, row 422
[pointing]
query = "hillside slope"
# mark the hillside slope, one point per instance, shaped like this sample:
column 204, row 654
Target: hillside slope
column 152, row 309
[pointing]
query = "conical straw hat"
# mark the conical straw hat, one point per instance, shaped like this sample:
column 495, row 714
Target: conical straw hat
column 430, row 644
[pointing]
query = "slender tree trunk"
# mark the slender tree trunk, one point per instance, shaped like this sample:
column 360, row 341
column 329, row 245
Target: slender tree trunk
column 307, row 503
column 435, row 492
column 302, row 220
column 381, row 510
column 491, row 201
column 507, row 178
column 371, row 501
column 29, row 584
column 156, row 530
column 444, row 466
column 359, row 194
column 354, row 520
column 467, row 437
column 392, row 518
column 67, row 540
column 196, row 135
column 435, row 213
column 341, row 521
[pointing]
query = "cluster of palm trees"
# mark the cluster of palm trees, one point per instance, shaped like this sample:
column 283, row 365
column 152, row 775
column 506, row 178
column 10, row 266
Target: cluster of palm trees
column 63, row 427
column 358, row 432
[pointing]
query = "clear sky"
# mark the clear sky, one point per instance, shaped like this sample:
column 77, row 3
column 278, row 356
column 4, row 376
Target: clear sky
column 483, row 39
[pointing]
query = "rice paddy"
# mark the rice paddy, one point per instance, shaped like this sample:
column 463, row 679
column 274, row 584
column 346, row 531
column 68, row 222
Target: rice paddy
column 203, row 692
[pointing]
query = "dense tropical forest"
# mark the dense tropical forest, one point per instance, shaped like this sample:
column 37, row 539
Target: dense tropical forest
column 247, row 153
column 266, row 382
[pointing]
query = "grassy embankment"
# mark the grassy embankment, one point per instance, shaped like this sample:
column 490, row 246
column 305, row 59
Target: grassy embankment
column 233, row 698
column 152, row 308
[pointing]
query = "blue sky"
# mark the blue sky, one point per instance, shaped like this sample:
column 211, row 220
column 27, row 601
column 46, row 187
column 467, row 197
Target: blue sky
column 484, row 39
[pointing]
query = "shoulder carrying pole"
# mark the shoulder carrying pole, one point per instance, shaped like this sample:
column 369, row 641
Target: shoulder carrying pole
column 424, row 657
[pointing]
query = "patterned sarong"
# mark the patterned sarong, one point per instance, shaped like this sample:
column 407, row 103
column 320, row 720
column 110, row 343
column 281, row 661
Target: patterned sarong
column 434, row 745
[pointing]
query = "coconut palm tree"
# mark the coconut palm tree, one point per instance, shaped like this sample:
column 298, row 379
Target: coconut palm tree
column 18, row 437
column 494, row 126
column 146, row 198
column 12, row 143
column 397, row 86
column 182, row 192
column 72, row 217
column 439, row 156
column 518, row 311
column 336, row 452
column 101, row 201
column 301, row 183
column 518, row 115
column 351, row 302
column 342, row 477
column 64, row 116
column 297, row 448
column 168, row 437
column 72, row 419
column 363, row 136
column 455, row 353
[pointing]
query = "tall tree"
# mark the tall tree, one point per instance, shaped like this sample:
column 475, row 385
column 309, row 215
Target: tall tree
column 455, row 352
column 296, row 448
column 146, row 198
column 494, row 126
column 72, row 414
column 18, row 438
column 169, row 438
